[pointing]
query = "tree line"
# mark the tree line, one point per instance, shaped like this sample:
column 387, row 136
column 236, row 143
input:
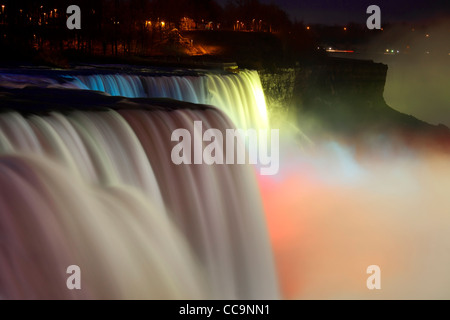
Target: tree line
column 126, row 26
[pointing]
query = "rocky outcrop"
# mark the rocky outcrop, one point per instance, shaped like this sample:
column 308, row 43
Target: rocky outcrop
column 341, row 79
column 341, row 96
column 279, row 89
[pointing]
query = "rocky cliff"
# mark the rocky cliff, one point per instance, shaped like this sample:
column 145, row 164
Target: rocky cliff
column 341, row 96
column 278, row 88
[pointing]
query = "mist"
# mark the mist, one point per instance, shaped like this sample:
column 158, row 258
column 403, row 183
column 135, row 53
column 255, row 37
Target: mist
column 332, row 213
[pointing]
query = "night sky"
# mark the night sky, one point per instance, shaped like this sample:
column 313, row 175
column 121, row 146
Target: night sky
column 344, row 11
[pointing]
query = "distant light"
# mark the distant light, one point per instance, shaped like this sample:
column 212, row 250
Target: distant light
column 398, row 51
column 387, row 50
column 339, row 51
column 163, row 24
column 427, row 35
column 307, row 28
column 392, row 51
column 345, row 28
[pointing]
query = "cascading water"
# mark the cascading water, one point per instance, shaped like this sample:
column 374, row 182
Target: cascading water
column 240, row 96
column 51, row 219
column 98, row 189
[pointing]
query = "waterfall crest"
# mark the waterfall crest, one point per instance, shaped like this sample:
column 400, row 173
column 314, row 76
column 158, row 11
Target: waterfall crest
column 240, row 96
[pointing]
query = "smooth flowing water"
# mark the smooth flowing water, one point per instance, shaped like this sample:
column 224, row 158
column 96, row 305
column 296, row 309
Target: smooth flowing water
column 240, row 96
column 98, row 189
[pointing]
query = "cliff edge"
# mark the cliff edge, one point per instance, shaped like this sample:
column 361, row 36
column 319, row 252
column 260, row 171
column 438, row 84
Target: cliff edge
column 344, row 97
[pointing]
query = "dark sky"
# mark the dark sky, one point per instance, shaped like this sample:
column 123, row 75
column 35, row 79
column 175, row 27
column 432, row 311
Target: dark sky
column 344, row 11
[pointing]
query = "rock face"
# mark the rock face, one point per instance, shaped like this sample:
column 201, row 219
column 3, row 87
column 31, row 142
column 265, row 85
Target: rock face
column 340, row 96
column 341, row 79
column 279, row 90
column 323, row 85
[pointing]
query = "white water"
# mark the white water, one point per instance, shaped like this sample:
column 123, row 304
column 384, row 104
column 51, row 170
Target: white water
column 98, row 189
column 240, row 96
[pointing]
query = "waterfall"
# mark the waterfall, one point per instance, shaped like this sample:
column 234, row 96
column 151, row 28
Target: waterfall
column 98, row 189
column 240, row 96
column 51, row 219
